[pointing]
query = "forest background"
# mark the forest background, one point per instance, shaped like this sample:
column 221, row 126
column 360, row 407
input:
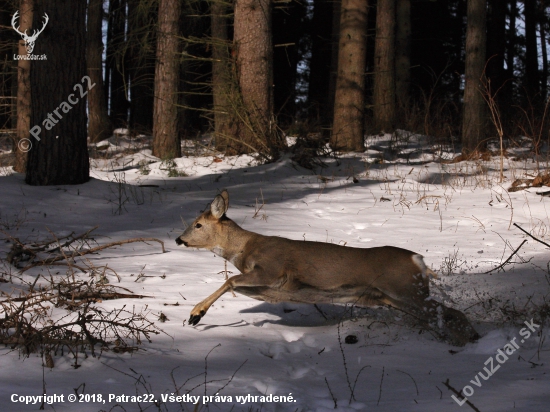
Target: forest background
column 253, row 71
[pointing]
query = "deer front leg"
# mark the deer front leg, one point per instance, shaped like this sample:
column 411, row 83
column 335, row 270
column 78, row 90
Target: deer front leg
column 200, row 308
column 249, row 279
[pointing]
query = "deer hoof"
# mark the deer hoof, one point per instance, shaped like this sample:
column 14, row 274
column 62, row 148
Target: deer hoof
column 194, row 319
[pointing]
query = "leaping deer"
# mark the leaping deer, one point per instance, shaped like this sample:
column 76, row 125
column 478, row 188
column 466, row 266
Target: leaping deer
column 276, row 269
column 29, row 41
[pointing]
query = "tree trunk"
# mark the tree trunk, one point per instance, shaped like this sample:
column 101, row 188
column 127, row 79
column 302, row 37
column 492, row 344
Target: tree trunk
column 511, row 36
column 531, row 81
column 384, row 67
column 254, row 58
column 59, row 84
column 496, row 43
column 334, row 52
column 507, row 94
column 115, row 74
column 403, row 54
column 166, row 141
column 142, row 42
column 474, row 111
column 288, row 23
column 99, row 126
column 23, row 90
column 544, row 51
column 320, row 63
column 223, row 83
column 349, row 107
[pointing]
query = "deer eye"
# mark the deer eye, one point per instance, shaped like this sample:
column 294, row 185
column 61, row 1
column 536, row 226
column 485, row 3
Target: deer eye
column 198, row 226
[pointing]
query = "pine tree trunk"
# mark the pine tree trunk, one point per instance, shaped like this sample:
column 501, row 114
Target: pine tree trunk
column 116, row 75
column 223, row 83
column 474, row 111
column 531, row 81
column 59, row 154
column 511, row 36
column 99, row 126
column 510, row 54
column 141, row 59
column 403, row 53
column 288, row 19
column 166, row 141
column 23, row 90
column 544, row 51
column 384, row 67
column 334, row 52
column 349, row 107
column 496, row 43
column 254, row 59
column 320, row 63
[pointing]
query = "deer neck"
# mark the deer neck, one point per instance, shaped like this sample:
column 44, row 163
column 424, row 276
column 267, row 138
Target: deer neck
column 231, row 243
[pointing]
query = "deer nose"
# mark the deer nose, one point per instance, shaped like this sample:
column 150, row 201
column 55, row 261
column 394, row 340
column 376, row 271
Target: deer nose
column 180, row 242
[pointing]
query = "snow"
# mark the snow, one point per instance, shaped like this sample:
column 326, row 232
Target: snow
column 458, row 216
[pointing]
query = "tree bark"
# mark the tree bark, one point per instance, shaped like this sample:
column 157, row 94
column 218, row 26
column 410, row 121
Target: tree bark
column 496, row 43
column 320, row 63
column 384, row 67
column 403, row 53
column 115, row 74
column 531, row 80
column 544, row 51
column 166, row 141
column 254, row 60
column 289, row 28
column 59, row 84
column 99, row 124
column 349, row 102
column 142, row 42
column 334, row 52
column 507, row 94
column 474, row 111
column 223, row 80
column 23, row 90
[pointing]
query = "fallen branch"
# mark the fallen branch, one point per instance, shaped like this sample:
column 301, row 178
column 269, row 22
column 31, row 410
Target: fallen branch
column 457, row 393
column 530, row 235
column 509, row 258
column 52, row 260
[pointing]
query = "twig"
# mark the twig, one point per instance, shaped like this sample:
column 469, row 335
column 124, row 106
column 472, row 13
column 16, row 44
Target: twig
column 470, row 404
column 67, row 243
column 206, row 365
column 530, row 235
column 96, row 294
column 232, row 376
column 345, row 365
column 355, row 383
column 51, row 260
column 331, row 394
column 415, row 385
column 320, row 311
column 509, row 258
column 380, row 391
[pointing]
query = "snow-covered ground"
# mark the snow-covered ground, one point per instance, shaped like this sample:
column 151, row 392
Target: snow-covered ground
column 457, row 215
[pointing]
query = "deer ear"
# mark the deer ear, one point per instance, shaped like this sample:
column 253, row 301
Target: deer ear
column 225, row 196
column 219, row 205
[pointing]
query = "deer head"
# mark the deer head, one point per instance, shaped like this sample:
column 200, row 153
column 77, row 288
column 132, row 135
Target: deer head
column 29, row 40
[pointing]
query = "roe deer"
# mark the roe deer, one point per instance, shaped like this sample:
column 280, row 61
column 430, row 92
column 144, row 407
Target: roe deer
column 276, row 269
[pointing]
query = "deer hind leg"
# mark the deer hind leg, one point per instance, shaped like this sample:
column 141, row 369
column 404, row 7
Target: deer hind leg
column 448, row 324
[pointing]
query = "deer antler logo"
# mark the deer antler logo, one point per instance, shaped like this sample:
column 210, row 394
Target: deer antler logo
column 29, row 40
